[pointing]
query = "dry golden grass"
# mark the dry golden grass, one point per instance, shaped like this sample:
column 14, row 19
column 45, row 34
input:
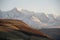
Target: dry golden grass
column 7, row 24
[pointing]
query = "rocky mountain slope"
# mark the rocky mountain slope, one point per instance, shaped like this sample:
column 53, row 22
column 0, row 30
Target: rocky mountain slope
column 17, row 28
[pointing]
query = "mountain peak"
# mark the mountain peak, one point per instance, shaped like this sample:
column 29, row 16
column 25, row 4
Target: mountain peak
column 15, row 9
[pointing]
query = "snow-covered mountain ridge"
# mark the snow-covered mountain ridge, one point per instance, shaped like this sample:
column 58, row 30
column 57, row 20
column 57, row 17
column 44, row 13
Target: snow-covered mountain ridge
column 36, row 20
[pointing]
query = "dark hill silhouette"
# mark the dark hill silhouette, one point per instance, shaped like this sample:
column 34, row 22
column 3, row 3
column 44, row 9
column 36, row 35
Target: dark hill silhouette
column 53, row 32
column 10, row 25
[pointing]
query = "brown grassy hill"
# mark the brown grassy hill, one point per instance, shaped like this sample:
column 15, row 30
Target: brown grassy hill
column 8, row 25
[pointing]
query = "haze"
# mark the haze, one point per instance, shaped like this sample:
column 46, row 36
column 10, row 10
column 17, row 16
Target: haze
column 46, row 6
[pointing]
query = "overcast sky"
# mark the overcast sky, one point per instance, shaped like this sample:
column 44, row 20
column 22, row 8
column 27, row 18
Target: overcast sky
column 46, row 6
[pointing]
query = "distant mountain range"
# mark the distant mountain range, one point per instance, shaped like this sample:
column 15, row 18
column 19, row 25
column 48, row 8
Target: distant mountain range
column 35, row 20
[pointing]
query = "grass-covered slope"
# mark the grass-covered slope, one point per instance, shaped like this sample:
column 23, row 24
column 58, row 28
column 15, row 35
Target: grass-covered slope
column 11, row 29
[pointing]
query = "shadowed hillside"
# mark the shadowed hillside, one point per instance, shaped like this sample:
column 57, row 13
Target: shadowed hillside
column 18, row 29
column 53, row 32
